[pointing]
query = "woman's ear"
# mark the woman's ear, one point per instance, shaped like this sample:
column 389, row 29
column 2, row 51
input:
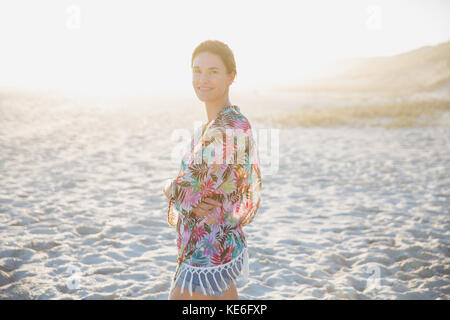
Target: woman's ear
column 232, row 77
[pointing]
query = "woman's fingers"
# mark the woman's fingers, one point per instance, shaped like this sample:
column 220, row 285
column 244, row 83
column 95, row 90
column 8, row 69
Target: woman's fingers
column 208, row 204
column 204, row 207
column 166, row 187
column 212, row 202
column 200, row 212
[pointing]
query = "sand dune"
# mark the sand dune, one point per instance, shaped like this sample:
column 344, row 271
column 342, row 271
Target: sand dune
column 423, row 72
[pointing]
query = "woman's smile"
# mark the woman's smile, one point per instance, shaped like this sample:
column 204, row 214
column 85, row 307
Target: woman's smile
column 205, row 88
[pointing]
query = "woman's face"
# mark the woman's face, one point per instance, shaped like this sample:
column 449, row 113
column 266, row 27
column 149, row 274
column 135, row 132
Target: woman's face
column 209, row 77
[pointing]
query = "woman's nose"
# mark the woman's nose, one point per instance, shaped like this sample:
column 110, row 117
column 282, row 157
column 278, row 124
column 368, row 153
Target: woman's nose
column 203, row 78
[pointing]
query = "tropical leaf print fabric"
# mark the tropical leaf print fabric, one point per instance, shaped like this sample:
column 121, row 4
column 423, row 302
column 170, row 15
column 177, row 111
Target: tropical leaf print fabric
column 223, row 164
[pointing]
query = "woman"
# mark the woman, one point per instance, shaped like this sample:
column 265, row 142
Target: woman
column 217, row 191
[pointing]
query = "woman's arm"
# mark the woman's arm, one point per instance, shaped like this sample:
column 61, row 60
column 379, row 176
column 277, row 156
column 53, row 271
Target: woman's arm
column 238, row 182
column 166, row 188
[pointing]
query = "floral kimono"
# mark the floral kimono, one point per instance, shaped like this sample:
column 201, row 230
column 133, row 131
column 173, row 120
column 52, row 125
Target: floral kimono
column 222, row 164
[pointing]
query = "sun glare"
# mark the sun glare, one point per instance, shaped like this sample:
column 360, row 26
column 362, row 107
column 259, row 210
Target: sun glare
column 144, row 47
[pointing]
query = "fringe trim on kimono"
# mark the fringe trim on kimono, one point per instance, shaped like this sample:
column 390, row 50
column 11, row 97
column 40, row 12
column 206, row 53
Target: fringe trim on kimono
column 231, row 269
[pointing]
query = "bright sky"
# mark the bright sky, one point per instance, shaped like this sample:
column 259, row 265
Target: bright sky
column 146, row 46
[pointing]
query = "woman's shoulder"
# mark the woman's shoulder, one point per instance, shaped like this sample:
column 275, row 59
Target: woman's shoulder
column 232, row 119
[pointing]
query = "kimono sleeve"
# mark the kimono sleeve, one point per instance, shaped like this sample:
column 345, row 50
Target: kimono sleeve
column 191, row 186
column 181, row 190
column 225, row 168
column 238, row 179
column 185, row 193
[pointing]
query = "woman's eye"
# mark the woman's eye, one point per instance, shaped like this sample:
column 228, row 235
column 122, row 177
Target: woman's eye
column 198, row 71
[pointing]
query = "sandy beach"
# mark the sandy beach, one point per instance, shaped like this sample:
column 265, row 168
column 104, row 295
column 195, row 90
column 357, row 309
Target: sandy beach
column 348, row 213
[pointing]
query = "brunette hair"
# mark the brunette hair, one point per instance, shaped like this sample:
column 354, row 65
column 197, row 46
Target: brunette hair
column 218, row 48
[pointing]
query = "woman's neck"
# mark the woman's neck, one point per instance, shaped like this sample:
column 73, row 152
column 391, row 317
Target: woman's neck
column 214, row 108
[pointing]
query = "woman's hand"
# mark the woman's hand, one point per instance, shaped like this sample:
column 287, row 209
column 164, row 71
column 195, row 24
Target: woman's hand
column 166, row 188
column 205, row 207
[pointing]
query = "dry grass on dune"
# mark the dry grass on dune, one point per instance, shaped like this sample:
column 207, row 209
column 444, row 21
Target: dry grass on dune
column 394, row 115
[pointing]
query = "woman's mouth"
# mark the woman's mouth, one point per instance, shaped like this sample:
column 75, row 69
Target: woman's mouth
column 204, row 88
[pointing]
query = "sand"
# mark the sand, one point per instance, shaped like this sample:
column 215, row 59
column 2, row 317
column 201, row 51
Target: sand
column 348, row 213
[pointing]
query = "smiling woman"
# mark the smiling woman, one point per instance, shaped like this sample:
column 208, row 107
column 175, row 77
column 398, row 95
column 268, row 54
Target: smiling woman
column 213, row 71
column 217, row 191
